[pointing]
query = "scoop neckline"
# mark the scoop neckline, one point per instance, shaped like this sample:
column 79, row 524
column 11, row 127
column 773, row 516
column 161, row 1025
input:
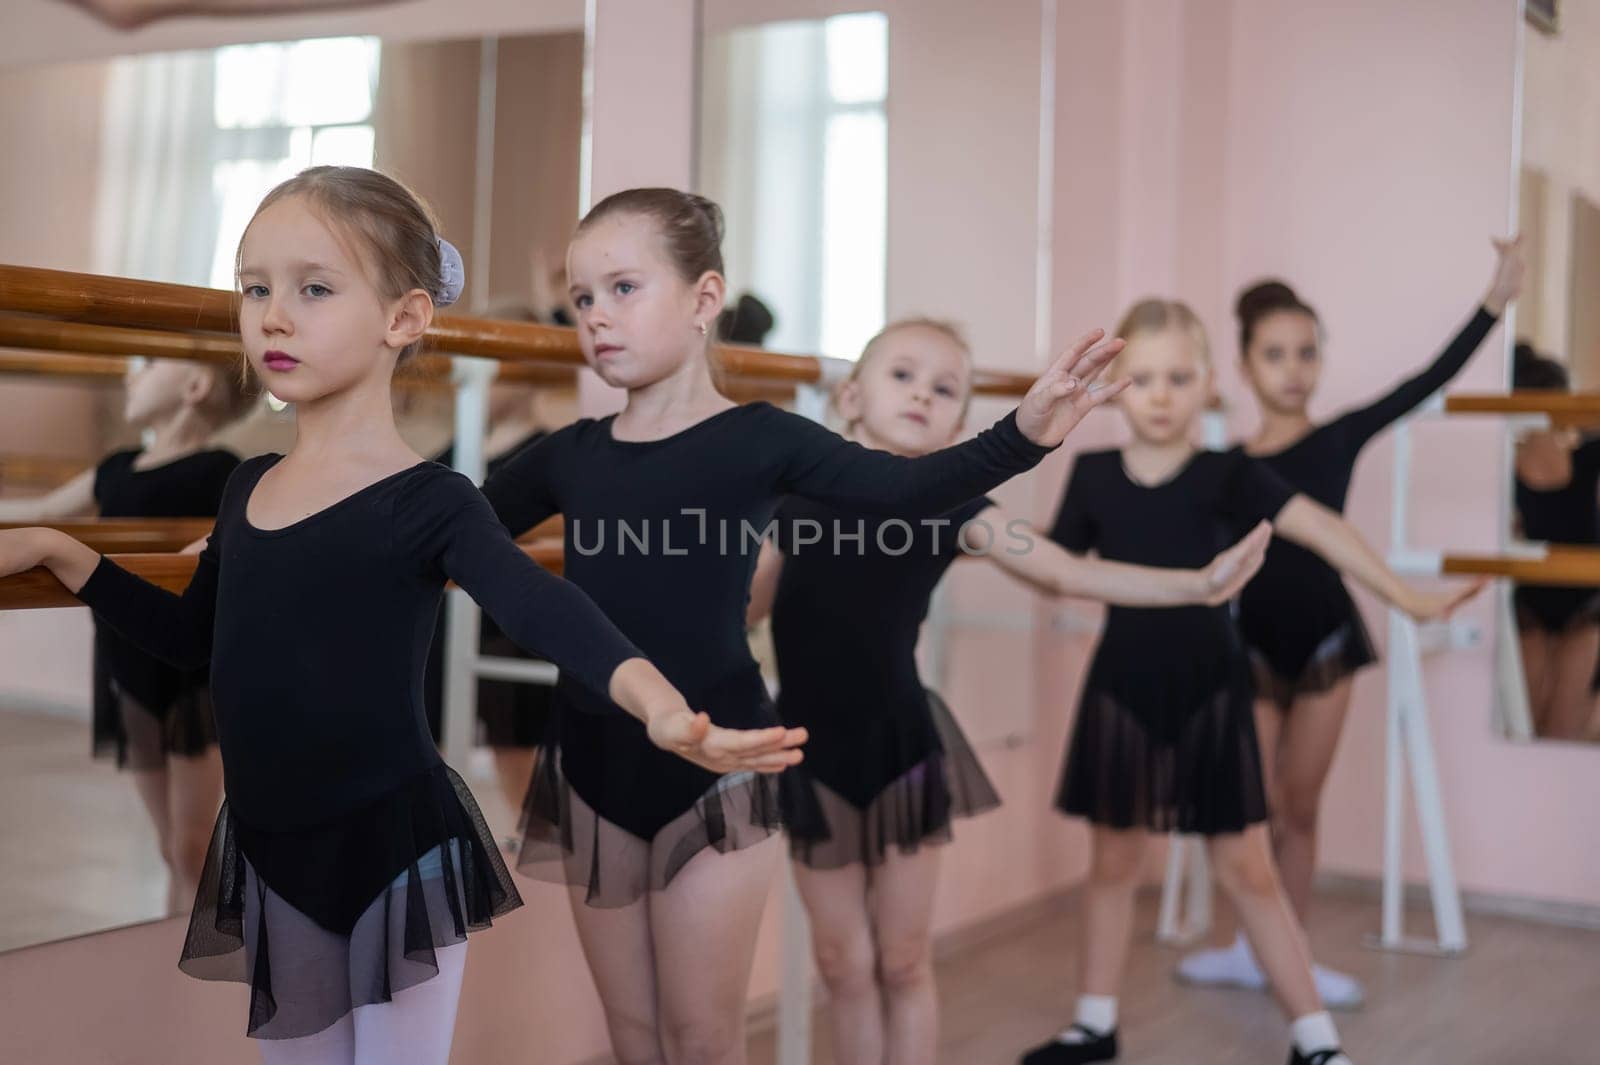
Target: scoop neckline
column 1171, row 478
column 607, row 422
column 256, row 530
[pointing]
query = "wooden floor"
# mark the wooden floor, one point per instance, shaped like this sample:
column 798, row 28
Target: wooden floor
column 78, row 853
column 1525, row 994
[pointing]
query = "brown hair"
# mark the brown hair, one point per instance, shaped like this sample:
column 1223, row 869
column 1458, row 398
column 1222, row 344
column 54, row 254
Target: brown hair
column 1262, row 299
column 691, row 226
column 949, row 330
column 1157, row 315
column 394, row 228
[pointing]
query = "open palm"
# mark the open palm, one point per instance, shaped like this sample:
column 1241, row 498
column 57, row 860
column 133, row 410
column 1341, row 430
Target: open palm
column 1065, row 393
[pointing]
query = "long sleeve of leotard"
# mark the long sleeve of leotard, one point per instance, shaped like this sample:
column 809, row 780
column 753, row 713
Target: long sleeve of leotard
column 522, row 491
column 819, row 464
column 1366, row 422
column 449, row 521
column 174, row 628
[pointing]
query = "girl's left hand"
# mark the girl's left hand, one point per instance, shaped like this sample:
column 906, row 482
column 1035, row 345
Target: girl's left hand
column 693, row 737
column 1510, row 270
column 1438, row 605
column 1230, row 571
column 20, row 550
column 1065, row 393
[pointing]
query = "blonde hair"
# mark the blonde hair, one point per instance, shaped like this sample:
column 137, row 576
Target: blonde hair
column 392, row 225
column 1154, row 315
column 947, row 329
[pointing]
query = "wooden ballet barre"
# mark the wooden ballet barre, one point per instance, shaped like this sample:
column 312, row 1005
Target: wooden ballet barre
column 1562, row 408
column 1563, row 565
column 38, row 589
column 149, row 305
column 111, row 536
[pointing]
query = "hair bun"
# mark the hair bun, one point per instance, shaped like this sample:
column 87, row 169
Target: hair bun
column 1264, row 297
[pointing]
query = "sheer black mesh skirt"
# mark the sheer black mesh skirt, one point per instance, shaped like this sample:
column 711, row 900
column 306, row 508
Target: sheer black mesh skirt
column 322, row 921
column 827, row 830
column 565, row 840
column 1282, row 678
column 1194, row 769
column 143, row 737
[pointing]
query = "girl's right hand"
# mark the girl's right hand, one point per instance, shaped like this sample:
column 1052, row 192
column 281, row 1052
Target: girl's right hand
column 1230, row 571
column 1436, row 605
column 721, row 750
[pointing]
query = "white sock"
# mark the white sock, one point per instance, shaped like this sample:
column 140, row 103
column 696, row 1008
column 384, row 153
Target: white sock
column 1097, row 1013
column 1314, row 1032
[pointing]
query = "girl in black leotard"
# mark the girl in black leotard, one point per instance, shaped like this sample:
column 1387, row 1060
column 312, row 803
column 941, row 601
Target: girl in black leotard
column 1304, row 634
column 154, row 719
column 349, row 862
column 666, row 505
column 1165, row 740
column 887, row 768
column 1558, row 627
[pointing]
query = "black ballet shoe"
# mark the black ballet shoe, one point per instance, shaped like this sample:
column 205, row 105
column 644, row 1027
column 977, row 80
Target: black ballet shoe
column 1321, row 1057
column 1095, row 1047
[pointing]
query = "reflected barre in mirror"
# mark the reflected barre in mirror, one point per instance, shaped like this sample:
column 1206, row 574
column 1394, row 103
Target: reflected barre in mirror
column 1551, row 675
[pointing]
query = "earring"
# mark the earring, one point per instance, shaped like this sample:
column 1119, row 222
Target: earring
column 702, row 329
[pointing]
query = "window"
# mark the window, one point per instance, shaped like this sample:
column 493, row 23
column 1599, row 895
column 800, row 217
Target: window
column 277, row 109
column 794, row 146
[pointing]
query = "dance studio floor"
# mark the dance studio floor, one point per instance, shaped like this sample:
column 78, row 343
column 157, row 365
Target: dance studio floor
column 1526, row 994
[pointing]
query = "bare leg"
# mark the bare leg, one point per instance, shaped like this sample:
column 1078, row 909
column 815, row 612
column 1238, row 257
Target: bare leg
column 1538, row 672
column 1573, row 653
column 704, row 929
column 842, row 942
column 417, row 1025
column 1244, row 867
column 151, row 784
column 902, row 916
column 1108, row 908
column 195, row 793
column 514, row 767
column 1303, row 758
column 616, row 944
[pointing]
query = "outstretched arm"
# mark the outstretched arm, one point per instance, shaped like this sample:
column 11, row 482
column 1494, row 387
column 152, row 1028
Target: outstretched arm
column 1055, row 571
column 557, row 621
column 1319, row 529
column 75, row 499
column 174, row 628
column 1510, row 268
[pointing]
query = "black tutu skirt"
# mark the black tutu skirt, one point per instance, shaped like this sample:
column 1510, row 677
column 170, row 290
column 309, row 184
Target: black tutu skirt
column 1166, row 746
column 832, row 824
column 1284, row 675
column 324, row 920
column 631, row 832
column 143, row 737
column 1555, row 608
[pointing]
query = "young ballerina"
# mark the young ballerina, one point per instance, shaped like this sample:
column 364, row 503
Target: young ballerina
column 1303, row 632
column 1558, row 627
column 887, row 768
column 157, row 720
column 349, row 862
column 666, row 504
column 1164, row 738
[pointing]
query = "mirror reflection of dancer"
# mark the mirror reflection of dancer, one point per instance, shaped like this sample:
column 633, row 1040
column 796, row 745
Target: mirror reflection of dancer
column 1165, row 737
column 1305, row 635
column 887, row 768
column 157, row 720
column 1558, row 627
column 671, row 867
